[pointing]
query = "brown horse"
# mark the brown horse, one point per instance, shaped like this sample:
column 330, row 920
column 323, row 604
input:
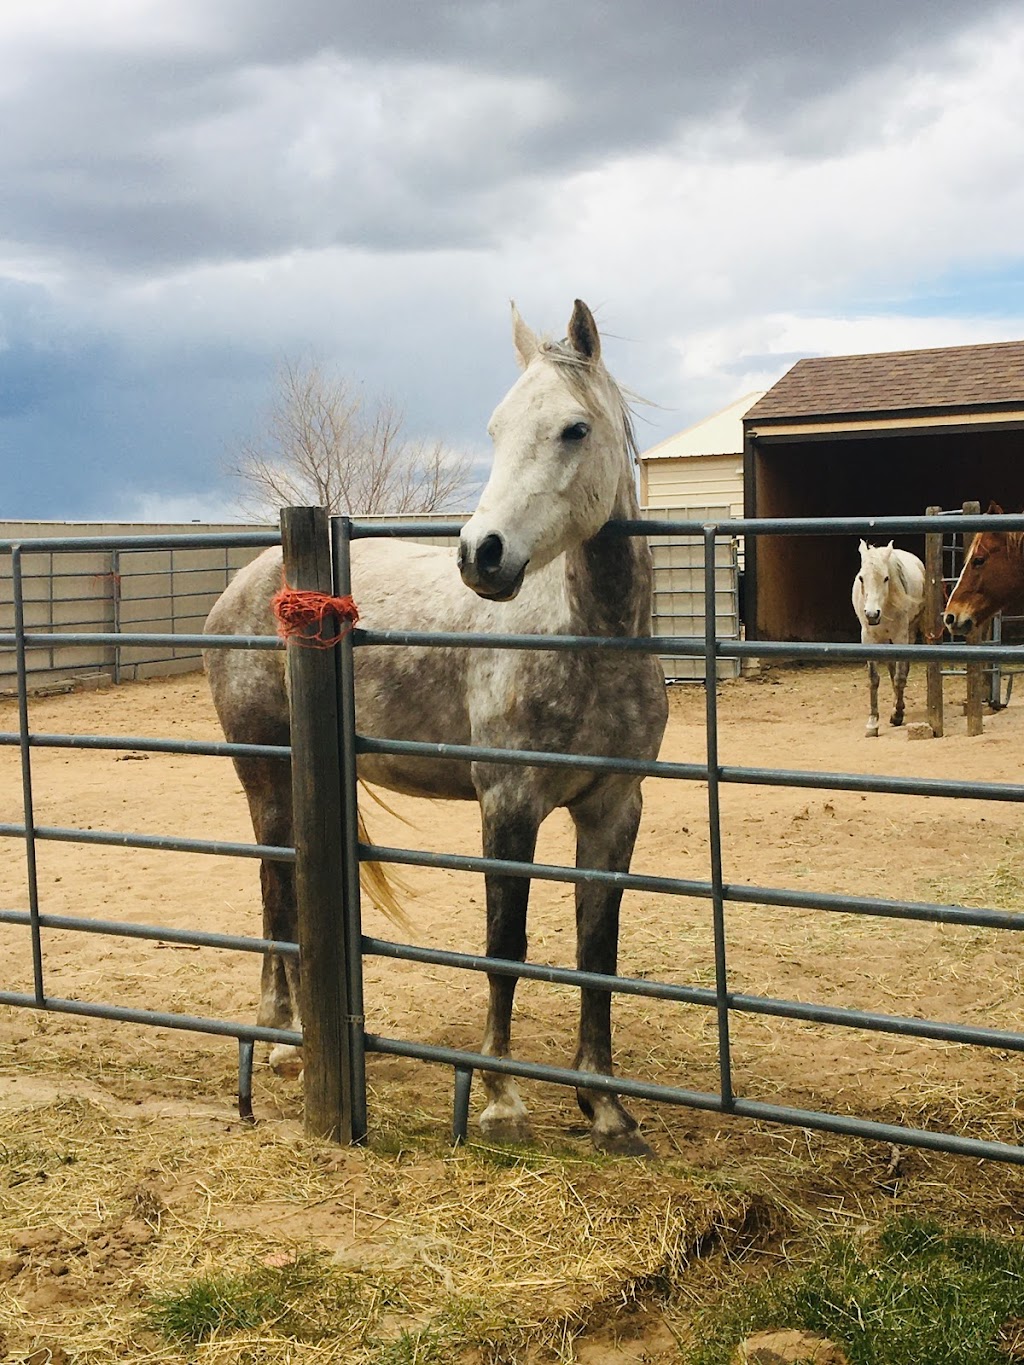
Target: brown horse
column 992, row 580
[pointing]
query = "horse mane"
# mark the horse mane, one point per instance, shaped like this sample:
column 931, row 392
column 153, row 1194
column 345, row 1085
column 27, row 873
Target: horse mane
column 582, row 376
column 1014, row 541
column 901, row 575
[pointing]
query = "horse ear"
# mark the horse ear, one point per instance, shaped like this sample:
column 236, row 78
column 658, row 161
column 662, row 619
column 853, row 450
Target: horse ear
column 889, row 546
column 583, row 333
column 523, row 338
column 863, row 548
column 995, row 509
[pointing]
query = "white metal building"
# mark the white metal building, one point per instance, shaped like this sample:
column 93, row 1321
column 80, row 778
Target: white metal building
column 696, row 475
column 701, row 466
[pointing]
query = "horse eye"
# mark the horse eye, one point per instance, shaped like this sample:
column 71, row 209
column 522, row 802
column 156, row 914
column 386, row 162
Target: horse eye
column 860, row 579
column 576, row 432
column 886, row 579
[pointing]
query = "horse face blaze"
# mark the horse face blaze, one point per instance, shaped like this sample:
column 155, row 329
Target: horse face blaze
column 986, row 585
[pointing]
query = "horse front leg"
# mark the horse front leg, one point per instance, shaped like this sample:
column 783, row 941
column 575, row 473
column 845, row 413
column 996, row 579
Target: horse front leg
column 606, row 828
column 871, row 730
column 898, row 673
column 511, row 833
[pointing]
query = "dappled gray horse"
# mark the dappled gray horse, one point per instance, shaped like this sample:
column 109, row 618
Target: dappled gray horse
column 538, row 561
column 888, row 597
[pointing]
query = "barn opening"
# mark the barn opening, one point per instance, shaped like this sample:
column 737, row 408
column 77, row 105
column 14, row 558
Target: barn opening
column 870, row 435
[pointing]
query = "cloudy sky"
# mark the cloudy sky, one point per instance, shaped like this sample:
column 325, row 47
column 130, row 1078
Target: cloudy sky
column 194, row 190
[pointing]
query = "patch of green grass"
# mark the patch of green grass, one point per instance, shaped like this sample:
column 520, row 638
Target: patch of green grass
column 305, row 1300
column 918, row 1296
column 309, row 1301
column 445, row 1339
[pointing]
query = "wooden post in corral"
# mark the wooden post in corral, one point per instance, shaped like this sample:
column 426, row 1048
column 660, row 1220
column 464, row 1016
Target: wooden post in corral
column 319, row 872
column 975, row 672
column 934, row 601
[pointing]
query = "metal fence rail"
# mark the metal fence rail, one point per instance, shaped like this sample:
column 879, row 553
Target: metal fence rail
column 116, row 584
column 710, row 650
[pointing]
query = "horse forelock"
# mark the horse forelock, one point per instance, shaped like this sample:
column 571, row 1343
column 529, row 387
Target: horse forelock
column 984, row 542
column 883, row 558
column 587, row 379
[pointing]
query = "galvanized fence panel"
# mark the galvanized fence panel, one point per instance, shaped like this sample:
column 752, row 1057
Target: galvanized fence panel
column 679, row 604
column 170, row 590
column 26, row 637
column 160, row 588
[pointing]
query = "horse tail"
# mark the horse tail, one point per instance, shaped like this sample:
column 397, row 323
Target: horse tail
column 381, row 886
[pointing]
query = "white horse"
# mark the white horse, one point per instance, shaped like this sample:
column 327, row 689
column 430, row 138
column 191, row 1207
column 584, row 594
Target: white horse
column 888, row 597
column 538, row 561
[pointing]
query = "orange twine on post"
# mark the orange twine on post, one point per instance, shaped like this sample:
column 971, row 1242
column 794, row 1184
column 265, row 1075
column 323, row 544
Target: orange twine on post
column 296, row 611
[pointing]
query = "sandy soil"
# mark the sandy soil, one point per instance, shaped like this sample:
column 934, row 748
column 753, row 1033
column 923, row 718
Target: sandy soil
column 812, row 718
column 966, row 852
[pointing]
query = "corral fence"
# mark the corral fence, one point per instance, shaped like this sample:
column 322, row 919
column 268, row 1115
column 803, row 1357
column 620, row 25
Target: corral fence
column 112, row 579
column 115, row 580
column 326, row 742
column 988, row 684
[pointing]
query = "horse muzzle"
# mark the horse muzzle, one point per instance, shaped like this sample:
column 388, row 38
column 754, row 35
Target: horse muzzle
column 957, row 623
column 490, row 568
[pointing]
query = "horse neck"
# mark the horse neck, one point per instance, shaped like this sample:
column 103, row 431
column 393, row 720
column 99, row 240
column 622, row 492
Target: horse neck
column 609, row 579
column 1015, row 554
column 898, row 579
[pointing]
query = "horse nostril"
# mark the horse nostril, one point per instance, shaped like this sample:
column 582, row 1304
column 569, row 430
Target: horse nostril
column 489, row 554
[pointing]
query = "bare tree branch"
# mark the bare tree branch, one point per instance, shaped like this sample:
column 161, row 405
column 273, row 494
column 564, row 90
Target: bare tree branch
column 324, row 443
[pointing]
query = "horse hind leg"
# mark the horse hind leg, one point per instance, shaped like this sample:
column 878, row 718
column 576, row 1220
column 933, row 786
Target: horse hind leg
column 267, row 784
column 606, row 829
column 871, row 729
column 509, row 834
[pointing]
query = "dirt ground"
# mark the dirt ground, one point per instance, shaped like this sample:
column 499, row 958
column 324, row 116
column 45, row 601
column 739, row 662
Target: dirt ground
column 963, row 852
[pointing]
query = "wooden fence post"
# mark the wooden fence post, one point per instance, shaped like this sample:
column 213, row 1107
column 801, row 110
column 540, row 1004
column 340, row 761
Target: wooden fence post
column 319, row 872
column 975, row 672
column 934, row 601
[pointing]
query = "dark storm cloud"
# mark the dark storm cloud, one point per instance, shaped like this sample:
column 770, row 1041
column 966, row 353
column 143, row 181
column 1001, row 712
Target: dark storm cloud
column 398, row 126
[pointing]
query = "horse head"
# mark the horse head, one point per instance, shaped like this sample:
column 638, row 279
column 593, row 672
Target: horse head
column 875, row 566
column 991, row 580
column 561, row 453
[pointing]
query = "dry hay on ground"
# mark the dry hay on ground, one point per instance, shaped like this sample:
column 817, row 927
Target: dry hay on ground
column 106, row 1211
column 162, row 1082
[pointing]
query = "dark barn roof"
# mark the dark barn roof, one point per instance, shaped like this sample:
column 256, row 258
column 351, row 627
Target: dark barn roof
column 894, row 381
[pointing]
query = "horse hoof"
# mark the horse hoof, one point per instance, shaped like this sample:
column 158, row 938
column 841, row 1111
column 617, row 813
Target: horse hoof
column 623, row 1144
column 871, row 732
column 895, row 720
column 286, row 1060
column 507, row 1132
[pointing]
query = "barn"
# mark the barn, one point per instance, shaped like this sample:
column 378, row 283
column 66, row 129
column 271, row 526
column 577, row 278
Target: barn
column 888, row 434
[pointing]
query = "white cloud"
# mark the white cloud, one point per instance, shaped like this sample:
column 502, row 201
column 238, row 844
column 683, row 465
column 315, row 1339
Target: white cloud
column 175, row 508
column 206, row 216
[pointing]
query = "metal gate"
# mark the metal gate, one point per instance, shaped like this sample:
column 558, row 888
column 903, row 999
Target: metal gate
column 679, row 602
column 998, row 677
column 325, row 745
